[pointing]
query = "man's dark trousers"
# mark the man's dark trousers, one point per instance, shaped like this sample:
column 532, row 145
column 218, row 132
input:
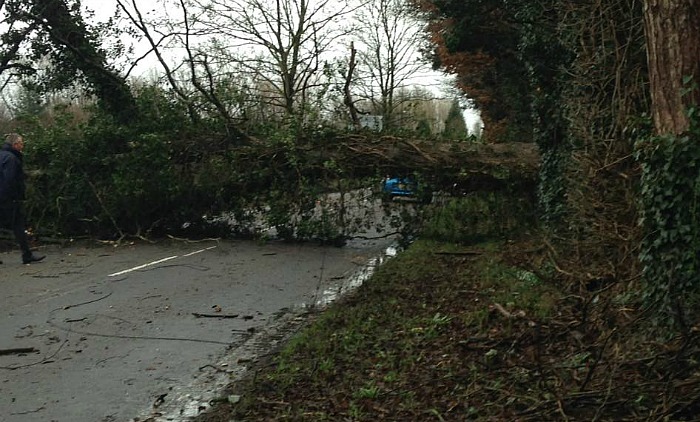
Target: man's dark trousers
column 11, row 218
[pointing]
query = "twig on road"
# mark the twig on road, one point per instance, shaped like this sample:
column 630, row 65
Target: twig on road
column 224, row 316
column 17, row 351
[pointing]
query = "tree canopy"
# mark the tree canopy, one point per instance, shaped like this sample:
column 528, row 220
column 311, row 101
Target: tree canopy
column 54, row 30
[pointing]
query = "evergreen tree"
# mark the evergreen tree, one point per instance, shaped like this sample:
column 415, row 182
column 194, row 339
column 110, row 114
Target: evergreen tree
column 55, row 29
column 455, row 127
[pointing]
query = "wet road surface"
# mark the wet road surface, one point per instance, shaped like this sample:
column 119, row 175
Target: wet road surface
column 153, row 331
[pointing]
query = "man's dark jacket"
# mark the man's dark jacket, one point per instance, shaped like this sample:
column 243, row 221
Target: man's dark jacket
column 12, row 186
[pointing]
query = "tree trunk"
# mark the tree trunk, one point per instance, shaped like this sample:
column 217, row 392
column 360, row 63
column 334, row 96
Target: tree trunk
column 673, row 50
column 347, row 100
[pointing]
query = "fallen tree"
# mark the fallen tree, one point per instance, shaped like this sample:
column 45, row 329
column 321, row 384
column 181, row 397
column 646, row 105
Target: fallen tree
column 470, row 166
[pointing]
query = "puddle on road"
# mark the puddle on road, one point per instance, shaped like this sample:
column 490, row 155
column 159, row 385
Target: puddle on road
column 187, row 402
column 337, row 290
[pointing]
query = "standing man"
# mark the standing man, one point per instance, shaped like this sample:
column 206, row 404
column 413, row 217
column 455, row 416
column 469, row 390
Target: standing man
column 12, row 193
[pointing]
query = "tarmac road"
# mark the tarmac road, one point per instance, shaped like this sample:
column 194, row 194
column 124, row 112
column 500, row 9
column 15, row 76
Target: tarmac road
column 153, row 331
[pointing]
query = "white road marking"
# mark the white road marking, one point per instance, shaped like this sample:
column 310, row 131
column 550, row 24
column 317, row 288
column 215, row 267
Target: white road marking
column 142, row 266
column 199, row 251
column 159, row 261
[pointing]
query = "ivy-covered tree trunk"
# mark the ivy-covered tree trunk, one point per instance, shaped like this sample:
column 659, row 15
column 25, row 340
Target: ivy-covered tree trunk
column 673, row 48
column 670, row 184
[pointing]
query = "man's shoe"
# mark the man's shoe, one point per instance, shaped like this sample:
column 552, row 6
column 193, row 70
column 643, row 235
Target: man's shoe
column 28, row 259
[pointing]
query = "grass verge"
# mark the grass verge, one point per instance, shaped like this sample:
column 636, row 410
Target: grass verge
column 452, row 333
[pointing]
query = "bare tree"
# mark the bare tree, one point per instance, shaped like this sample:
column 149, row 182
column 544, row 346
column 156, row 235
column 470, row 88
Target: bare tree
column 199, row 79
column 276, row 47
column 347, row 93
column 391, row 33
column 285, row 39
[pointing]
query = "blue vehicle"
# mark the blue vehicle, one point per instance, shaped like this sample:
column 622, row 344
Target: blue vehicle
column 399, row 186
column 406, row 189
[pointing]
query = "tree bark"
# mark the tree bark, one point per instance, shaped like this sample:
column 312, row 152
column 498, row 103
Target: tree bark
column 672, row 30
column 347, row 100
